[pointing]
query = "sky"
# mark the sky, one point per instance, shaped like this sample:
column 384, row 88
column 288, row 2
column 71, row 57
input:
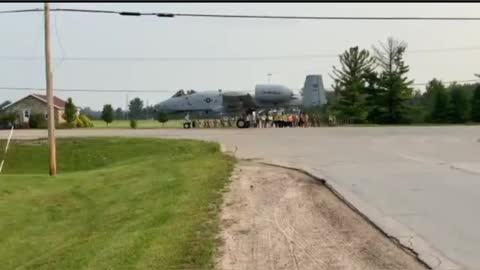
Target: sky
column 94, row 35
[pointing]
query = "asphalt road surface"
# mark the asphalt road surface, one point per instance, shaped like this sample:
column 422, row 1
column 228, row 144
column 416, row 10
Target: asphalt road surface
column 421, row 185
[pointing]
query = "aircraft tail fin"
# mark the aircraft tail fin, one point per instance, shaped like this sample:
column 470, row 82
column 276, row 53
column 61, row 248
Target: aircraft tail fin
column 314, row 91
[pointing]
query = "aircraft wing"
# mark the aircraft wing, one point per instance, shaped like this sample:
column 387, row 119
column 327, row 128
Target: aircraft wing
column 236, row 101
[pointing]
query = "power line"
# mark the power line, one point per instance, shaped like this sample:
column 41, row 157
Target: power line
column 327, row 17
column 85, row 90
column 154, row 91
column 245, row 58
column 243, row 16
column 167, row 59
column 21, row 10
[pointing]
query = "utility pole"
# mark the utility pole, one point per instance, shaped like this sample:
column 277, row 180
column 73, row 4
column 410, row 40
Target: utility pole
column 49, row 77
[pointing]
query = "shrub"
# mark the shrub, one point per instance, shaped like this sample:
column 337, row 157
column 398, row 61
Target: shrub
column 7, row 118
column 86, row 121
column 133, row 123
column 162, row 118
column 79, row 123
column 37, row 120
column 83, row 121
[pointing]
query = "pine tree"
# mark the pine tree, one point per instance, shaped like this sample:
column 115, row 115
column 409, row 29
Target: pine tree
column 70, row 111
column 350, row 83
column 374, row 98
column 393, row 85
column 459, row 107
column 429, row 96
column 440, row 109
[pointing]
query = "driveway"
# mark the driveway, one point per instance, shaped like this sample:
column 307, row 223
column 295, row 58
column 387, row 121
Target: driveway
column 421, row 185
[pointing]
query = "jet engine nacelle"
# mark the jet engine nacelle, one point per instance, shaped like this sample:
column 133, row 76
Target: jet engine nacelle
column 270, row 93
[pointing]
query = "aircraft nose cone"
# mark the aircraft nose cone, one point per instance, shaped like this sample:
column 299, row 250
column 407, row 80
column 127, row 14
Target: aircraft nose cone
column 163, row 106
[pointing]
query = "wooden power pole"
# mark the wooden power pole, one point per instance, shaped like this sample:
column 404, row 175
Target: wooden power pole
column 49, row 77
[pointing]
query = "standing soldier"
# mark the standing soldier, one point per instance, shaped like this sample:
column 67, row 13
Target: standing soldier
column 301, row 121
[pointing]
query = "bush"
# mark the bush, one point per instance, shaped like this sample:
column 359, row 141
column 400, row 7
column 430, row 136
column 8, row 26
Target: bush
column 37, row 120
column 79, row 123
column 83, row 121
column 133, row 123
column 162, row 118
column 86, row 121
column 7, row 118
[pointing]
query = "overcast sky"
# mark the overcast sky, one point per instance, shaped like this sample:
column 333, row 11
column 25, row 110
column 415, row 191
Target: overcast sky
column 91, row 35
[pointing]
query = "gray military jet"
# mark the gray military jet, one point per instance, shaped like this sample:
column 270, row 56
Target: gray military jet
column 218, row 104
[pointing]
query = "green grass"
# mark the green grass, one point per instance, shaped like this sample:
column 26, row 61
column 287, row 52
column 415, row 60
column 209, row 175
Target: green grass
column 141, row 124
column 116, row 203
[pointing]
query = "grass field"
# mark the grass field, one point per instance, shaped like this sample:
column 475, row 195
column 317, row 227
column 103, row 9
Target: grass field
column 141, row 124
column 116, row 204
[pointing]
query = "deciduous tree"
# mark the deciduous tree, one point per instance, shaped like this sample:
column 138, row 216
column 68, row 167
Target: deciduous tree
column 107, row 114
column 135, row 108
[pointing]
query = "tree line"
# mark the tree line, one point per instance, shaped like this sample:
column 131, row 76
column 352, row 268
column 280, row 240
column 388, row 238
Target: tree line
column 373, row 87
column 136, row 111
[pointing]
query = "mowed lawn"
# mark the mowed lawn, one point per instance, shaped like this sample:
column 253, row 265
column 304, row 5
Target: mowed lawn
column 116, row 203
column 140, row 123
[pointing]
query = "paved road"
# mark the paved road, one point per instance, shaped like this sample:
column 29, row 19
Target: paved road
column 419, row 184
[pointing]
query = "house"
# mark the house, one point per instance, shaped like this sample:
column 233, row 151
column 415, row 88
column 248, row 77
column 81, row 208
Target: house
column 35, row 104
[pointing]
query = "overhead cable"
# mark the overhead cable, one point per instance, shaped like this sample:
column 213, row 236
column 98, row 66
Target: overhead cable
column 244, row 16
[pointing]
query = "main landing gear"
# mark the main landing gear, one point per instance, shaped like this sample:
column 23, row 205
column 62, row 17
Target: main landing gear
column 242, row 123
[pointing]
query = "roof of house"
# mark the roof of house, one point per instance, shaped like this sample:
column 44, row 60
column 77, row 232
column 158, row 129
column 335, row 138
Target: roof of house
column 58, row 103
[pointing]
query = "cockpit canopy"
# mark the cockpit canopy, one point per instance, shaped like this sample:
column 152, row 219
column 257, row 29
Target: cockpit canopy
column 182, row 93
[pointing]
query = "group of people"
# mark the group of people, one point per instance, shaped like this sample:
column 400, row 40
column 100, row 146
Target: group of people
column 279, row 120
column 275, row 119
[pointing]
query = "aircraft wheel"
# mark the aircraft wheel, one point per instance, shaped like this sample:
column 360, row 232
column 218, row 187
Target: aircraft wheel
column 186, row 125
column 241, row 123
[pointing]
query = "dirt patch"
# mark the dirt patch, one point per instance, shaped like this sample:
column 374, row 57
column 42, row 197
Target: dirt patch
column 275, row 218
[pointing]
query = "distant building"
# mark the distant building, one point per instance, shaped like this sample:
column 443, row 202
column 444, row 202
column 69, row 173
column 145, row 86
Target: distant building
column 35, row 104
